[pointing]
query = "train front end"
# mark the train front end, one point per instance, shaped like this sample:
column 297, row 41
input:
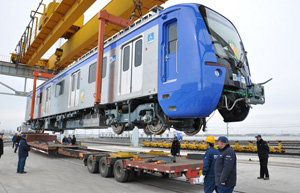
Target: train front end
column 202, row 67
column 238, row 91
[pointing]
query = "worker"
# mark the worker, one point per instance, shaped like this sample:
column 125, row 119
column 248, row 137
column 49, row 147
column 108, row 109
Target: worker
column 69, row 140
column 1, row 144
column 208, row 165
column 175, row 149
column 225, row 167
column 73, row 140
column 65, row 139
column 263, row 155
column 14, row 140
column 19, row 137
column 24, row 148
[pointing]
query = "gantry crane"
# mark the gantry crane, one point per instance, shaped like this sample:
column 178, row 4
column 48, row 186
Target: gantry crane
column 65, row 20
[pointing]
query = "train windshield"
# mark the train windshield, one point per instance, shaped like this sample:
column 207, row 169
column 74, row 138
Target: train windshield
column 225, row 38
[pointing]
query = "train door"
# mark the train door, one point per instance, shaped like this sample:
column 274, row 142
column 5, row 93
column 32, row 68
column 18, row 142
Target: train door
column 40, row 104
column 74, row 89
column 170, row 63
column 48, row 100
column 137, row 67
column 131, row 69
column 126, row 70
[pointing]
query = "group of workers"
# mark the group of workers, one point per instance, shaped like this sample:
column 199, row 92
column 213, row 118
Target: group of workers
column 219, row 166
column 20, row 145
column 69, row 140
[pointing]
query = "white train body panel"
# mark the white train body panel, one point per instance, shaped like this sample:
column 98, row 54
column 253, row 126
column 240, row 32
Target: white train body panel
column 74, row 88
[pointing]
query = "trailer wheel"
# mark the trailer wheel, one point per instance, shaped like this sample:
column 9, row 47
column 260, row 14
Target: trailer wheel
column 91, row 165
column 131, row 175
column 104, row 170
column 165, row 175
column 121, row 175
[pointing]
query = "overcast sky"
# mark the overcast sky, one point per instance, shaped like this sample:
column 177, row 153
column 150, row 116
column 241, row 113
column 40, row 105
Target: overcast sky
column 270, row 31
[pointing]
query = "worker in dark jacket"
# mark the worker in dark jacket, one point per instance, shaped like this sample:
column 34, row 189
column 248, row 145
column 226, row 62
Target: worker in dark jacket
column 175, row 149
column 65, row 140
column 225, row 167
column 208, row 165
column 263, row 155
column 73, row 140
column 14, row 140
column 19, row 137
column 1, row 144
column 24, row 148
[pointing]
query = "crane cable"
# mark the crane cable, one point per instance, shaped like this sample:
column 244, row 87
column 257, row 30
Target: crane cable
column 138, row 5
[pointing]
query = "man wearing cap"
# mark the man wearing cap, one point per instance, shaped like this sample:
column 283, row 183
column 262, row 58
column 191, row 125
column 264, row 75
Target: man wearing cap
column 209, row 160
column 14, row 138
column 263, row 155
column 18, row 139
column 23, row 154
column 175, row 149
column 225, row 167
column 1, row 144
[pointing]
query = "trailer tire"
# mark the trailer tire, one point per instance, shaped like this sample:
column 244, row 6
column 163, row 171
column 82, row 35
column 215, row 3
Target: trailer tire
column 91, row 165
column 104, row 168
column 121, row 174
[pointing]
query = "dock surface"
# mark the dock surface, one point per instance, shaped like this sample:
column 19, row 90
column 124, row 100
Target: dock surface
column 60, row 174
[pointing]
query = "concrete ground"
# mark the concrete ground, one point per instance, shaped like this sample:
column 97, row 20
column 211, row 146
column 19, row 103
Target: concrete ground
column 62, row 174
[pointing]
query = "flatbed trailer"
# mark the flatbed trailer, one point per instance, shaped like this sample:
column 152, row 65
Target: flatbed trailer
column 60, row 149
column 126, row 166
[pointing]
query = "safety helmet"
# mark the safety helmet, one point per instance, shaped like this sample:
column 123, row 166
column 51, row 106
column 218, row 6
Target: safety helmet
column 20, row 134
column 65, row 135
column 210, row 139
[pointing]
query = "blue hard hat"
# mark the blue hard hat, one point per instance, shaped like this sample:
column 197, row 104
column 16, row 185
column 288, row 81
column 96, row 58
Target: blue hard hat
column 223, row 139
column 1, row 133
column 24, row 135
column 258, row 136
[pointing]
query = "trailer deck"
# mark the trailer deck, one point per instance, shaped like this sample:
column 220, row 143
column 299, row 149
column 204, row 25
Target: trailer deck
column 125, row 166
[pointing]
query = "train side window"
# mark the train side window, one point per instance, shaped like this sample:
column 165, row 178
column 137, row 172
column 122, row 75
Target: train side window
column 138, row 53
column 73, row 82
column 92, row 72
column 126, row 55
column 37, row 101
column 59, row 88
column 104, row 66
column 78, row 80
column 172, row 33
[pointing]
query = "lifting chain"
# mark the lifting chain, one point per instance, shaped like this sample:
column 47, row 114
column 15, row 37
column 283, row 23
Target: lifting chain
column 138, row 5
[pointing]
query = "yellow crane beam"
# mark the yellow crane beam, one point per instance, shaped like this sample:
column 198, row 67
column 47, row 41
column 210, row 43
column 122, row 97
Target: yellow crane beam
column 86, row 38
column 59, row 22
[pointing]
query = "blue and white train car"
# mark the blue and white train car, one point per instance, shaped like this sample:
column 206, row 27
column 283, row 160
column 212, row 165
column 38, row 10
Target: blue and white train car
column 171, row 68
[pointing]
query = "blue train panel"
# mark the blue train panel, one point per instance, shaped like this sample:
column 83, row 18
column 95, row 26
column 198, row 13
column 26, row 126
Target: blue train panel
column 187, row 87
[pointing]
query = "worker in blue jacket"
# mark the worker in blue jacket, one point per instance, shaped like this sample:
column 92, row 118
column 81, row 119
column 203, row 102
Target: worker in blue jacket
column 263, row 155
column 14, row 138
column 24, row 148
column 208, row 165
column 225, row 167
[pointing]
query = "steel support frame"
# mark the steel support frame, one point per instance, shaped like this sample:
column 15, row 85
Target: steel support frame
column 17, row 93
column 37, row 74
column 104, row 17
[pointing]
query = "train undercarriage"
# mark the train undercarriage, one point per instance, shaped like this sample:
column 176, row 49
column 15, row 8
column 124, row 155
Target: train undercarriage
column 144, row 113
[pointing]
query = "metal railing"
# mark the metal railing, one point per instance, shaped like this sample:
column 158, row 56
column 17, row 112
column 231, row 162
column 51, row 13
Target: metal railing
column 4, row 58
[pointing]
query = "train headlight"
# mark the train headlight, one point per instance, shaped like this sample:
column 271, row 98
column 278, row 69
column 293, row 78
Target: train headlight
column 217, row 73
